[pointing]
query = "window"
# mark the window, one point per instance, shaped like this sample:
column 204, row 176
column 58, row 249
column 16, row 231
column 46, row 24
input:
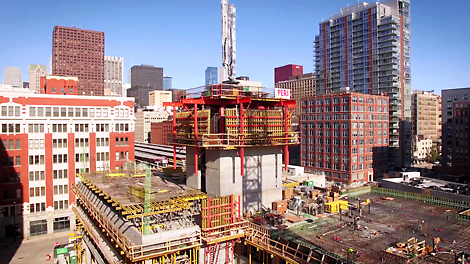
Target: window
column 55, row 111
column 32, row 111
column 70, row 110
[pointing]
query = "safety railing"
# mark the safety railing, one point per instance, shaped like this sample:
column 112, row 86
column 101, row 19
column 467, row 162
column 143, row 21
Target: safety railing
column 136, row 252
column 259, row 236
column 229, row 90
column 412, row 196
column 235, row 140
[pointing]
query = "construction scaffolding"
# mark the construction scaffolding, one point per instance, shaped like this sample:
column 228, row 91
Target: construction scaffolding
column 228, row 116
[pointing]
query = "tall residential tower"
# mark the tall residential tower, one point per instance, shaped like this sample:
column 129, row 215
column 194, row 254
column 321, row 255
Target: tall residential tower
column 367, row 47
column 79, row 53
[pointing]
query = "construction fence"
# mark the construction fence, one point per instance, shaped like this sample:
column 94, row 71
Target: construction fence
column 417, row 197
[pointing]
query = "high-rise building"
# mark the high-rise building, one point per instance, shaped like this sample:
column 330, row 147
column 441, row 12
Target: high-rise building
column 285, row 72
column 367, row 47
column 113, row 75
column 12, row 76
column 455, row 135
column 141, row 95
column 426, row 115
column 157, row 98
column 302, row 86
column 46, row 140
column 79, row 53
column 147, row 75
column 26, row 85
column 211, row 75
column 36, row 71
column 167, row 83
column 345, row 134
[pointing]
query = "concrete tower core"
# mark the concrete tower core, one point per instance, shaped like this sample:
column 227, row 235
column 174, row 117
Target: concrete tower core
column 235, row 138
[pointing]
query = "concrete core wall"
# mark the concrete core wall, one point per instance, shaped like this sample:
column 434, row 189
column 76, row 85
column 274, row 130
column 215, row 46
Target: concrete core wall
column 261, row 184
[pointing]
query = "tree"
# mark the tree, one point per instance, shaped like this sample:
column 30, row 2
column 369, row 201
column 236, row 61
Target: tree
column 433, row 155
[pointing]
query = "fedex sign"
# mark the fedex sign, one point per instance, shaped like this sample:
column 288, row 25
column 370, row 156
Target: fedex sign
column 282, row 93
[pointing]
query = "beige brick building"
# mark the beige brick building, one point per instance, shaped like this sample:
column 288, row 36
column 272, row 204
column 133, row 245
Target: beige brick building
column 302, row 86
column 157, row 98
column 426, row 115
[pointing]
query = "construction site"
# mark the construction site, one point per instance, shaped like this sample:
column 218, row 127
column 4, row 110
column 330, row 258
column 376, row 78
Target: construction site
column 235, row 204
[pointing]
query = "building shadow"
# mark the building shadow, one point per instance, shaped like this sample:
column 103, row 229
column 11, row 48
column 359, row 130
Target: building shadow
column 12, row 169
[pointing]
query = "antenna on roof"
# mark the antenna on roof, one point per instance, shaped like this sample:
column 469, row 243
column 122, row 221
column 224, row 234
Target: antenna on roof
column 74, row 26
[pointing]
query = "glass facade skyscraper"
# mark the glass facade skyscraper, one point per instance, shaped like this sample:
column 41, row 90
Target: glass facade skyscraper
column 367, row 48
column 167, row 83
column 211, row 75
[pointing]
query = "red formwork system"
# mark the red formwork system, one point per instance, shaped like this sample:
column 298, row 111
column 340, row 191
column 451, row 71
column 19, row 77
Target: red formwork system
column 198, row 109
column 222, row 224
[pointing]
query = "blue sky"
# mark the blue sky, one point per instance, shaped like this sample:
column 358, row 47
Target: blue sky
column 184, row 37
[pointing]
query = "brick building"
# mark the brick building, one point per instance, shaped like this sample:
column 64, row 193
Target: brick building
column 345, row 134
column 80, row 53
column 284, row 72
column 302, row 86
column 46, row 140
column 455, row 132
column 159, row 132
column 58, row 85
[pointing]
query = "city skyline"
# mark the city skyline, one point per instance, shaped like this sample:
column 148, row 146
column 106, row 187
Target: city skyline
column 297, row 49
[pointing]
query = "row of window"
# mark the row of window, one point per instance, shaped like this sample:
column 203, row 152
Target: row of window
column 344, row 117
column 122, row 155
column 11, row 128
column 82, row 157
column 10, row 110
column 336, row 100
column 61, row 189
column 59, row 158
column 36, row 144
column 36, row 159
column 60, row 128
column 62, row 204
column 35, row 128
column 102, row 156
column 37, row 191
column 122, row 128
column 59, row 143
column 102, row 142
column 11, row 161
column 66, row 112
column 37, row 207
column 60, row 174
column 37, row 176
column 11, row 144
column 81, row 142
column 12, row 194
column 11, row 177
column 456, row 97
column 345, row 108
column 124, row 141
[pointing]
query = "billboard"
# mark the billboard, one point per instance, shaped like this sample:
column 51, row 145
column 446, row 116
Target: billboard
column 282, row 93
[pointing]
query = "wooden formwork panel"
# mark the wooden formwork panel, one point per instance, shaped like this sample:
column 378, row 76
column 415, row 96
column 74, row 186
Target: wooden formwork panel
column 185, row 122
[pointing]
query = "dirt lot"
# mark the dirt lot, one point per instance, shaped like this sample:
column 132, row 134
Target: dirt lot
column 389, row 222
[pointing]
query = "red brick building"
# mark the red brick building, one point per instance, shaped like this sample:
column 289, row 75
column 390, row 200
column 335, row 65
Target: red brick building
column 283, row 73
column 159, row 132
column 80, row 53
column 45, row 140
column 345, row 134
column 59, row 85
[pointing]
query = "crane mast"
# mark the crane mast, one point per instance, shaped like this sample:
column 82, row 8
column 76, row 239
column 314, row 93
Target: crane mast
column 228, row 40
